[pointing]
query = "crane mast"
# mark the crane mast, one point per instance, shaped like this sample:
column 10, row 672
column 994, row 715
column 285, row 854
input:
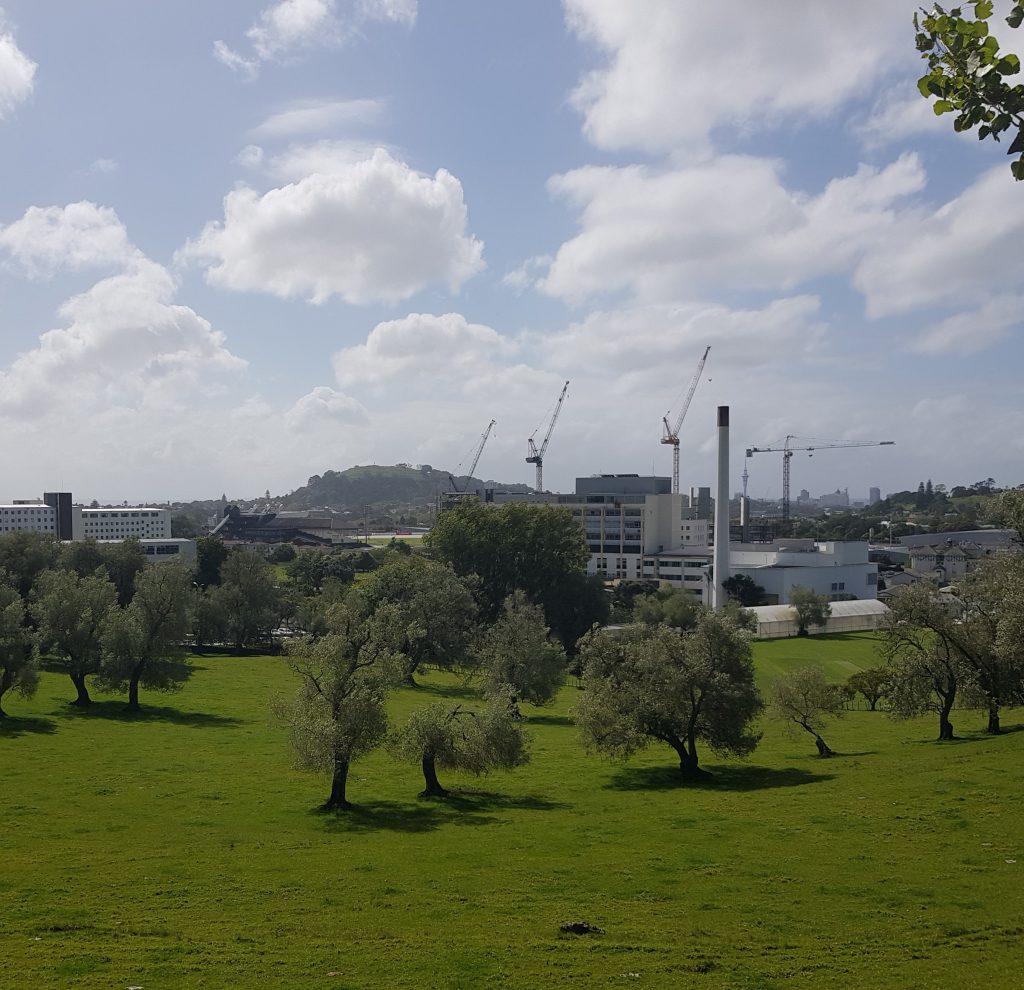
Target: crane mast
column 535, row 455
column 478, row 450
column 787, row 450
column 671, row 435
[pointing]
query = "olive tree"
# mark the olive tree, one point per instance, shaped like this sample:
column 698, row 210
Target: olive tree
column 809, row 608
column 17, row 663
column 248, row 598
column 70, row 614
column 338, row 713
column 927, row 670
column 873, row 685
column 648, row 684
column 804, row 699
column 145, row 642
column 454, row 737
column 434, row 610
column 518, row 658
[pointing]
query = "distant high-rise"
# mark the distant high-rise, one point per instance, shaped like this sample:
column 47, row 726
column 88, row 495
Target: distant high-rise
column 874, row 495
column 700, row 500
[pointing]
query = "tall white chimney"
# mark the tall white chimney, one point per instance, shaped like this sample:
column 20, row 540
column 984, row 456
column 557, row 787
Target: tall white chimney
column 720, row 561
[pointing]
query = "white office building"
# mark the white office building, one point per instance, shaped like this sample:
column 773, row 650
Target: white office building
column 54, row 513
column 125, row 522
column 32, row 517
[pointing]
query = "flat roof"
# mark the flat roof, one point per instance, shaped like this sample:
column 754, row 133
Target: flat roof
column 125, row 508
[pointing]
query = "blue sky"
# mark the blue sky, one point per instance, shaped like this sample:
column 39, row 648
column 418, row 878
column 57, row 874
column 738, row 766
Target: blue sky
column 245, row 242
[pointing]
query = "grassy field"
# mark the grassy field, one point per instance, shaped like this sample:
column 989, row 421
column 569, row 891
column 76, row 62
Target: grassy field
column 180, row 849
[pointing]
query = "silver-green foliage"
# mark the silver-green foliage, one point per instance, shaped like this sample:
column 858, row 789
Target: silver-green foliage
column 338, row 713
column 18, row 671
column 809, row 607
column 144, row 643
column 70, row 614
column 804, row 699
column 656, row 684
column 517, row 652
column 454, row 737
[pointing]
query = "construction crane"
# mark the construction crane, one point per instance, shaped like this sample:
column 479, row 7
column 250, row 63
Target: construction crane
column 535, row 456
column 787, row 450
column 476, row 456
column 672, row 434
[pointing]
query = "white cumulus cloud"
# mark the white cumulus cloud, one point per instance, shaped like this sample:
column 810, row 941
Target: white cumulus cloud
column 415, row 348
column 731, row 222
column 961, row 252
column 77, row 236
column 324, row 405
column 123, row 338
column 17, row 71
column 369, row 231
column 674, row 72
column 125, row 343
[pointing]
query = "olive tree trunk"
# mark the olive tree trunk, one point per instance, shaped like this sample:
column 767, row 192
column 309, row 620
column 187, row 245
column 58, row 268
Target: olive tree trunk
column 83, row 692
column 339, row 779
column 433, row 785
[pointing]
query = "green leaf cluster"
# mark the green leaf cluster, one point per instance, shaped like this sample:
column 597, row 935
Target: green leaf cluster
column 967, row 72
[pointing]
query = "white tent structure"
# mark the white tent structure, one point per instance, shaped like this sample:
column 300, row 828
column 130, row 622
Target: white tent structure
column 779, row 621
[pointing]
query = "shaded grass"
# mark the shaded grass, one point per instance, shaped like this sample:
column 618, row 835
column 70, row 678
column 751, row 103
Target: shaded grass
column 726, row 778
column 142, row 852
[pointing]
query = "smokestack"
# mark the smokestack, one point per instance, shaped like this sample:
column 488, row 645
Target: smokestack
column 721, row 557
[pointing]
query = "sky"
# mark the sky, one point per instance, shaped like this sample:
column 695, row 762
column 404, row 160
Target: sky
column 247, row 242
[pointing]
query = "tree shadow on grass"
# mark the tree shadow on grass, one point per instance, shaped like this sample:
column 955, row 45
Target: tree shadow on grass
column 446, row 690
column 118, row 711
column 393, row 816
column 966, row 737
column 722, row 778
column 488, row 801
column 12, row 726
column 430, row 813
column 548, row 720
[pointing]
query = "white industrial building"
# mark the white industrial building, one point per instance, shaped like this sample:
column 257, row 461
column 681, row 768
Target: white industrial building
column 779, row 621
column 166, row 551
column 836, row 570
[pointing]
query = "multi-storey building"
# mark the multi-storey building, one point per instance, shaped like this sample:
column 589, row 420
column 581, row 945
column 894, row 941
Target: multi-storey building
column 56, row 514
column 124, row 522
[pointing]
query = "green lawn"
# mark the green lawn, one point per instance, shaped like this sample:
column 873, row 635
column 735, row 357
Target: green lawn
column 181, row 849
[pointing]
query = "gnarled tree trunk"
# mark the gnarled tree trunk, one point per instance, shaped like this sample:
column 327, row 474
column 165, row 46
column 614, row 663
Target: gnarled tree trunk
column 433, row 788
column 823, row 750
column 83, row 692
column 688, row 760
column 339, row 779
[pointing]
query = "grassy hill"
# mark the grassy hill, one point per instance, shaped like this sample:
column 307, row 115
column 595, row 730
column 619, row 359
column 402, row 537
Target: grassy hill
column 180, row 849
column 390, row 486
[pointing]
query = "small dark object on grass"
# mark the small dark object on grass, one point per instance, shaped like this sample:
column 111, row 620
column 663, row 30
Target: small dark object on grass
column 580, row 928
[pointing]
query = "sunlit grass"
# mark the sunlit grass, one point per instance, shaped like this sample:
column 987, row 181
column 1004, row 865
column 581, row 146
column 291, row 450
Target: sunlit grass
column 179, row 848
